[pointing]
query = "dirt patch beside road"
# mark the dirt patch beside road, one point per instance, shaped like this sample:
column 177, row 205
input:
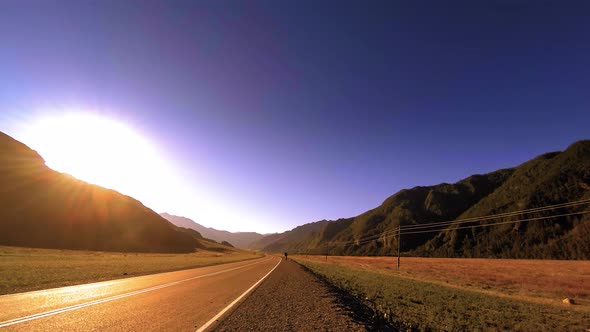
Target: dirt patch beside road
column 292, row 299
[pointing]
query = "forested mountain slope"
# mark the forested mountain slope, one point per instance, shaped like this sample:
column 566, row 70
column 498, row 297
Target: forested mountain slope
column 549, row 179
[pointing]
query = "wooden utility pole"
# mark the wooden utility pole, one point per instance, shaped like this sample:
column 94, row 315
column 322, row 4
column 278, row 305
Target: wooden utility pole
column 399, row 243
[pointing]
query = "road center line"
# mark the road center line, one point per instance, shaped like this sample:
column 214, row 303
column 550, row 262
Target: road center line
column 116, row 297
column 212, row 320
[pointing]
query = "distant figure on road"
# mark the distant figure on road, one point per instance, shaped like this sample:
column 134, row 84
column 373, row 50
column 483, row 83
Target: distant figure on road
column 286, row 258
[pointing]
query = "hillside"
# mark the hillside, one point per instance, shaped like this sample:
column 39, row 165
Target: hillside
column 40, row 207
column 297, row 239
column 552, row 178
column 549, row 179
column 241, row 240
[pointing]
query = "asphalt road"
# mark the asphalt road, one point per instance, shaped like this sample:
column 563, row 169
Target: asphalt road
column 175, row 301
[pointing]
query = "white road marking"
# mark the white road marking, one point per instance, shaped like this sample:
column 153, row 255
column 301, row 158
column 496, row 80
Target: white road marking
column 112, row 298
column 204, row 327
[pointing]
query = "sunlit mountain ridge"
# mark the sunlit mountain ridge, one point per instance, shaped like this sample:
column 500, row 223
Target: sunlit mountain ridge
column 40, row 207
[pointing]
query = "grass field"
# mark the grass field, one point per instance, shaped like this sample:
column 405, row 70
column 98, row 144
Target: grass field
column 465, row 294
column 26, row 269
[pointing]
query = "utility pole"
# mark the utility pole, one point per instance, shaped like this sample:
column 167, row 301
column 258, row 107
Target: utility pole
column 399, row 243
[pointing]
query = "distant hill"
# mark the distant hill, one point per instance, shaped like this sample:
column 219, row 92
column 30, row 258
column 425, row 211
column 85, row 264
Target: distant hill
column 240, row 240
column 552, row 178
column 40, row 207
column 263, row 242
column 297, row 239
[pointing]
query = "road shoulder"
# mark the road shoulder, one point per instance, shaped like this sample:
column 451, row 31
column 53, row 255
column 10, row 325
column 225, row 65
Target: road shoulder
column 292, row 299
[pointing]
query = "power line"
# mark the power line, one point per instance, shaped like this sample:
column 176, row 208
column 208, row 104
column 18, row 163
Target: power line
column 462, row 227
column 500, row 223
column 393, row 233
column 499, row 215
column 461, row 221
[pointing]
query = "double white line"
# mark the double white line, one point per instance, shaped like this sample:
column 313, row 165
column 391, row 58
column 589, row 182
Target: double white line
column 116, row 297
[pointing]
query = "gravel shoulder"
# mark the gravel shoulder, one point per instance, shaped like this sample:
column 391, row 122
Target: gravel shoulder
column 293, row 299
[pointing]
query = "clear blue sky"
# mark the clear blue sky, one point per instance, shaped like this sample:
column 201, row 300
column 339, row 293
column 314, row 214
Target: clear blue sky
column 289, row 112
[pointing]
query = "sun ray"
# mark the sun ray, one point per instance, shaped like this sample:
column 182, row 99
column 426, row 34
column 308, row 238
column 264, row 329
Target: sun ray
column 99, row 150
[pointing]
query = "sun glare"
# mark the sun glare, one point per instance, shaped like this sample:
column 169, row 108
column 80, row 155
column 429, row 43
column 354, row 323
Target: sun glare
column 104, row 151
column 98, row 150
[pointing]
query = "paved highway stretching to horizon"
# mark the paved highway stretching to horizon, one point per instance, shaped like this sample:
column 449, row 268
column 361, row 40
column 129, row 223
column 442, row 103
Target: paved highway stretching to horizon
column 186, row 300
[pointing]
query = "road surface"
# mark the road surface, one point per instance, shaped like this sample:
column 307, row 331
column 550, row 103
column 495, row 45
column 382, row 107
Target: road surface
column 174, row 301
column 291, row 299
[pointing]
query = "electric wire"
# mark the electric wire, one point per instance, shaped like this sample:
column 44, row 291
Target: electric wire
column 468, row 220
column 397, row 232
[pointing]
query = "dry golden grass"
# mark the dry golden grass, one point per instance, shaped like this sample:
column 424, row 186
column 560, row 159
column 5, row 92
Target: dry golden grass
column 411, row 302
column 27, row 269
column 540, row 281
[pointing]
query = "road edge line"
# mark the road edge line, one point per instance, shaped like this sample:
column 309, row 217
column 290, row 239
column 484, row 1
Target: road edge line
column 224, row 310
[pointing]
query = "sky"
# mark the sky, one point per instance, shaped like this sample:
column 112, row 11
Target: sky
column 264, row 115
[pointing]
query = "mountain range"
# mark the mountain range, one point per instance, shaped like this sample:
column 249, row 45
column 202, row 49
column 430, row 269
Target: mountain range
column 40, row 207
column 552, row 178
column 241, row 240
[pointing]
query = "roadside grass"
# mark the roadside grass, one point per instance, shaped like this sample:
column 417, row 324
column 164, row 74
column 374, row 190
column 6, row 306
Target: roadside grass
column 540, row 281
column 28, row 269
column 425, row 306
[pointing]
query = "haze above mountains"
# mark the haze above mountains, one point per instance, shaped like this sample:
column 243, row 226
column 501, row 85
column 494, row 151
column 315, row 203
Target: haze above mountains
column 40, row 207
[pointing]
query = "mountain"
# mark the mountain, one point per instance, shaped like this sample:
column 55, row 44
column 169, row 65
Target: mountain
column 240, row 240
column 435, row 203
column 297, row 239
column 40, row 207
column 549, row 179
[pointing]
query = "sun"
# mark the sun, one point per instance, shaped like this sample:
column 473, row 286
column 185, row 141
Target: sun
column 97, row 149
